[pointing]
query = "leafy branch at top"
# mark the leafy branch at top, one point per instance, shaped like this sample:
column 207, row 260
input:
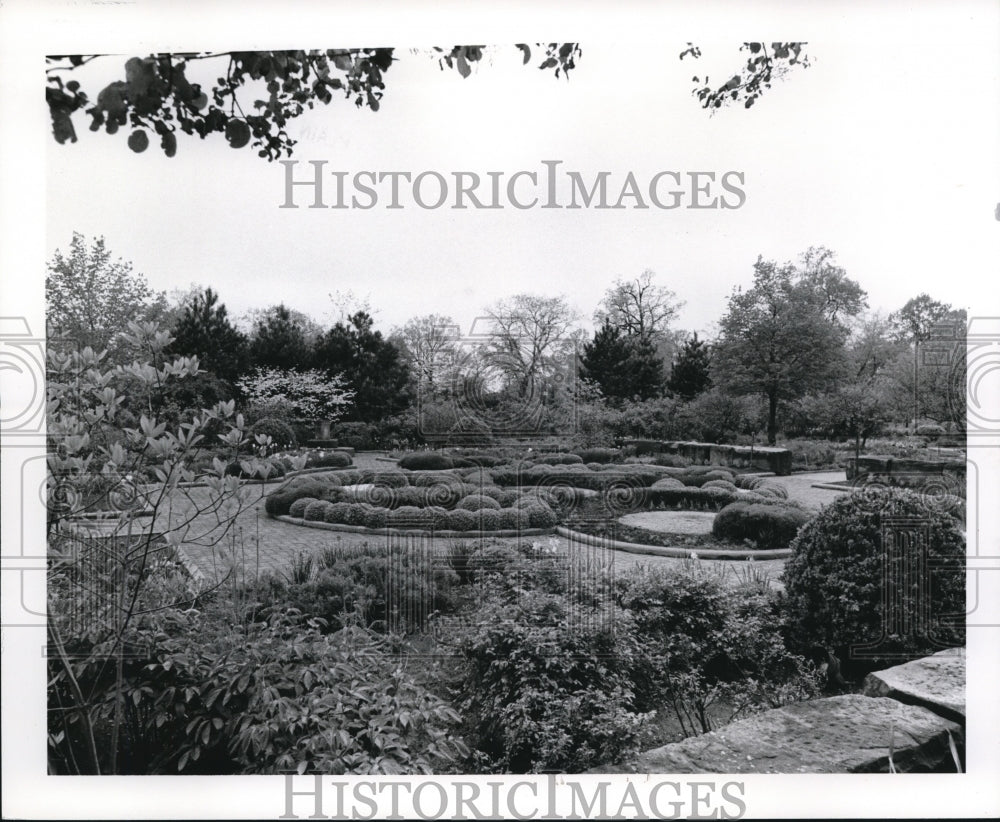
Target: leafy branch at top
column 156, row 95
column 762, row 67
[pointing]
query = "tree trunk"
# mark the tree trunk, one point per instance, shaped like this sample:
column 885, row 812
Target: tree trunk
column 772, row 417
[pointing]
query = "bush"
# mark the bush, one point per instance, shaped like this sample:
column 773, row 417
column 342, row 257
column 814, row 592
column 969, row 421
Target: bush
column 357, row 435
column 672, row 461
column 409, row 516
column 281, row 433
column 833, row 579
column 337, row 512
column 426, row 461
column 489, row 519
column 298, row 508
column 356, row 513
column 748, row 483
column 769, row 526
column 376, row 518
column 328, row 459
column 930, row 430
column 513, row 519
column 598, row 455
column 718, row 483
column 773, row 489
column 476, row 502
column 461, row 520
column 667, row 482
column 422, row 479
column 540, row 515
column 316, row 511
column 316, row 486
column 556, row 459
column 438, row 517
column 540, row 697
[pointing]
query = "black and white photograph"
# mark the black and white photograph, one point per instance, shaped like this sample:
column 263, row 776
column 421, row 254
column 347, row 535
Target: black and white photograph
column 394, row 427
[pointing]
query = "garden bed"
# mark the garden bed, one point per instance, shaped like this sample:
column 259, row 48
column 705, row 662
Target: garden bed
column 387, row 531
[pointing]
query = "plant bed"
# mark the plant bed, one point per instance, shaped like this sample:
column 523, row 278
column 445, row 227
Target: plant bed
column 361, row 529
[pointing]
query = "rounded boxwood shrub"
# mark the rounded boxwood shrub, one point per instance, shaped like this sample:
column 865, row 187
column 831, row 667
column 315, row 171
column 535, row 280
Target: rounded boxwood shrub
column 298, row 507
column 328, row 459
column 489, row 519
column 279, row 500
column 281, row 433
column 772, row 489
column 769, row 526
column 438, row 517
column 667, row 482
column 426, row 461
column 931, row 430
column 461, row 520
column 835, row 578
column 748, row 483
column 492, row 491
column 409, row 516
column 556, row 459
column 508, row 497
column 356, row 513
column 476, row 502
column 316, row 511
column 725, row 484
column 337, row 512
column 513, row 519
column 598, row 455
column 391, row 479
column 541, row 516
column 424, row 478
column 376, row 517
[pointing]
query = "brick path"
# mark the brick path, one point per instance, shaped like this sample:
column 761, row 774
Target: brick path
column 262, row 544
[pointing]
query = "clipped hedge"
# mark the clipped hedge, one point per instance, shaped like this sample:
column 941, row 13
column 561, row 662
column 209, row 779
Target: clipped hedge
column 601, row 456
column 477, row 502
column 769, row 526
column 426, row 461
column 298, row 507
column 281, row 433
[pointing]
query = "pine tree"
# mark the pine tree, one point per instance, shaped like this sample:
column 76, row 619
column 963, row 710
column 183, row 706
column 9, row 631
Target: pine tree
column 623, row 367
column 204, row 330
column 690, row 373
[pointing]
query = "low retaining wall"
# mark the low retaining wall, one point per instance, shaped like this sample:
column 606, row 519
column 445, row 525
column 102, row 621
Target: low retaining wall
column 906, row 472
column 413, row 532
column 766, row 458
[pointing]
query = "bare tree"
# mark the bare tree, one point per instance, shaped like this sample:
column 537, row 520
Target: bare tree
column 429, row 344
column 530, row 336
column 639, row 307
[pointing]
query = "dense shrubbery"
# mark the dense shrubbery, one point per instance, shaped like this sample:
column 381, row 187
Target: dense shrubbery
column 426, row 461
column 930, row 430
column 839, row 563
column 599, row 455
column 281, row 433
column 768, row 526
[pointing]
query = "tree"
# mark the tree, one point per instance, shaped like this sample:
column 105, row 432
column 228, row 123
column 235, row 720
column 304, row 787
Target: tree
column 91, row 298
column 279, row 340
column 372, row 367
column 622, row 367
column 855, row 409
column 156, row 100
column 690, row 373
column 429, row 346
column 638, row 307
column 312, row 395
column 781, row 338
column 915, row 322
column 528, row 340
column 204, row 330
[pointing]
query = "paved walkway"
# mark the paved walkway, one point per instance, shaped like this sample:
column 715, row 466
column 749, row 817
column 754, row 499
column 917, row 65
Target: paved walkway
column 257, row 544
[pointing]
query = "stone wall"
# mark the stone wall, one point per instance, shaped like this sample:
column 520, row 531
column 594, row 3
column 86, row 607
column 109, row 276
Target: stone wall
column 916, row 711
column 908, row 473
column 764, row 458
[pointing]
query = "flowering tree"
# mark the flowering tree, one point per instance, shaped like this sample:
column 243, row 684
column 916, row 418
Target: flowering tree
column 312, row 395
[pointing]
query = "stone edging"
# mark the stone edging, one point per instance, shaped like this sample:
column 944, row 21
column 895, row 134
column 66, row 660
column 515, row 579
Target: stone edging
column 381, row 532
column 679, row 553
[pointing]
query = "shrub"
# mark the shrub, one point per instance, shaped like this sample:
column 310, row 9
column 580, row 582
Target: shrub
column 513, row 519
column 298, row 507
column 672, row 460
column 773, row 489
column 718, row 483
column 281, row 433
column 316, row 511
column 476, row 502
column 492, row 491
column 461, row 520
column 718, row 474
column 745, row 482
column 599, row 455
column 489, row 519
column 337, row 512
column 769, row 526
column 541, row 697
column 409, row 516
column 930, row 430
column 540, row 516
column 424, row 478
column 833, row 579
column 357, row 435
column 328, row 459
column 374, row 517
column 556, row 459
column 316, row 486
column 391, row 479
column 356, row 513
column 667, row 482
column 426, row 461
column 438, row 517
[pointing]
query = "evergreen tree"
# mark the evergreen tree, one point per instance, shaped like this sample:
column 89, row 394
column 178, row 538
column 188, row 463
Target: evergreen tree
column 279, row 340
column 371, row 366
column 204, row 330
column 690, row 375
column 623, row 367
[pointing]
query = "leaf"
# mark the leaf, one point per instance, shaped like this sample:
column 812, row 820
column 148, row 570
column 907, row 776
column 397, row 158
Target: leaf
column 463, row 66
column 237, row 133
column 138, row 141
column 527, row 53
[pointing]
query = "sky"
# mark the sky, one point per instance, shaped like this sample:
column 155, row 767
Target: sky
column 880, row 150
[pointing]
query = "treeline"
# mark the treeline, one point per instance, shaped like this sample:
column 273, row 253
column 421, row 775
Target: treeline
column 797, row 352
